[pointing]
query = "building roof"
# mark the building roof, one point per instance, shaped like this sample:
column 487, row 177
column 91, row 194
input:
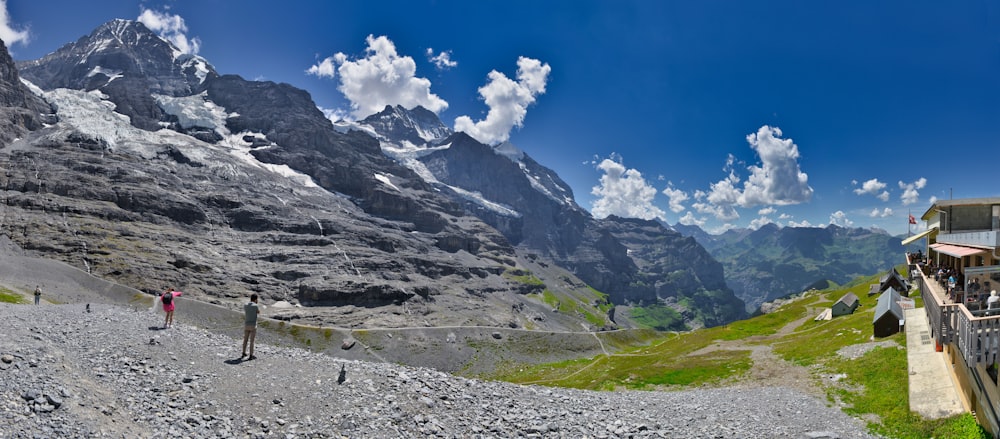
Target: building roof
column 888, row 303
column 849, row 299
column 893, row 277
column 959, row 202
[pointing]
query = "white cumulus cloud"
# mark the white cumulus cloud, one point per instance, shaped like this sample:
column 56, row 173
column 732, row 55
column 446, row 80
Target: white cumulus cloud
column 720, row 212
column 803, row 223
column 508, row 101
column 839, row 218
column 625, row 193
column 872, row 187
column 171, row 28
column 884, row 213
column 910, row 191
column 381, row 78
column 778, row 180
column 757, row 223
column 8, row 33
column 766, row 211
column 677, row 198
column 325, row 69
column 689, row 220
column 442, row 60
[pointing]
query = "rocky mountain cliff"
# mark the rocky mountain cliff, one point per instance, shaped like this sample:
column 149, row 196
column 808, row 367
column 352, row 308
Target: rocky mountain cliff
column 161, row 172
column 774, row 262
column 20, row 109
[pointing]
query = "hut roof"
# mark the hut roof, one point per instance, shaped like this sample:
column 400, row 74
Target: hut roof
column 888, row 303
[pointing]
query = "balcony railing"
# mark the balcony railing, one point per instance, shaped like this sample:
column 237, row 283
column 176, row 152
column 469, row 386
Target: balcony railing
column 977, row 336
column 975, row 238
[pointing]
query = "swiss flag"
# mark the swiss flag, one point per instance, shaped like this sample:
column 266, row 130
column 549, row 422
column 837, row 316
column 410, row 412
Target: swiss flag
column 913, row 220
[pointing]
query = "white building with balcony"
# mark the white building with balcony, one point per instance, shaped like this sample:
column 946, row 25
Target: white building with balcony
column 963, row 235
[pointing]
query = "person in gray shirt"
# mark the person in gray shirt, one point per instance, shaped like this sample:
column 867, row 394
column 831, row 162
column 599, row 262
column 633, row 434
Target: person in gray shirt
column 250, row 310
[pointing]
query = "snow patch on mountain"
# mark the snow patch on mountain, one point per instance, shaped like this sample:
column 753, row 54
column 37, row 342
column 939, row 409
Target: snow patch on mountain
column 479, row 199
column 201, row 66
column 407, row 154
column 195, row 111
column 94, row 116
column 241, row 149
column 111, row 74
column 345, row 126
column 385, row 180
column 32, row 87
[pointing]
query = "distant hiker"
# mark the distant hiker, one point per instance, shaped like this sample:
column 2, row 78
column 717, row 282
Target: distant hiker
column 250, row 311
column 168, row 306
column 38, row 294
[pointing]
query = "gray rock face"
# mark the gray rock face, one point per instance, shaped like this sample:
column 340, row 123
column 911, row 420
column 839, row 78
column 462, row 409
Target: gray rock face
column 672, row 267
column 636, row 262
column 20, row 110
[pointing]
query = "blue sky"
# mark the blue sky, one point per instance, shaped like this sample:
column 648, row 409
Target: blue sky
column 717, row 113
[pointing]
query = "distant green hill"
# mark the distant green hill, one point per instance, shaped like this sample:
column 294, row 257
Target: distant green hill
column 773, row 262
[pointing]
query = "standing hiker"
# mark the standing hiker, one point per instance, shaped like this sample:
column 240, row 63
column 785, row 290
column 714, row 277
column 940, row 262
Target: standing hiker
column 38, row 294
column 168, row 306
column 250, row 310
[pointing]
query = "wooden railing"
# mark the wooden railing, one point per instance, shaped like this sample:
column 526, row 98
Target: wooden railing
column 941, row 315
column 976, row 335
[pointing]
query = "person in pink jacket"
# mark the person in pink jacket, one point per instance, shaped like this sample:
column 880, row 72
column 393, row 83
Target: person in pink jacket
column 167, row 298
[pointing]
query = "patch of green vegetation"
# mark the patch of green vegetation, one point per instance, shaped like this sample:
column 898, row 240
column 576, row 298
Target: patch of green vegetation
column 629, row 339
column 549, row 298
column 700, row 369
column 593, row 319
column 8, row 296
column 658, row 317
column 570, row 305
column 145, row 299
column 637, row 370
column 603, row 301
column 524, row 277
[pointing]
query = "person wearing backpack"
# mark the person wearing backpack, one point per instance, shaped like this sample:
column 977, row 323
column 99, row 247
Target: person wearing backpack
column 250, row 312
column 167, row 298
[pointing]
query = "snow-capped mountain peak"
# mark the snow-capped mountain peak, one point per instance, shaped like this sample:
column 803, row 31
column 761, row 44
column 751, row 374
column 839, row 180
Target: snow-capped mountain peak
column 417, row 125
column 120, row 49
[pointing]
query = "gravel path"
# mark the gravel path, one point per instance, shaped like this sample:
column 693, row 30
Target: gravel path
column 65, row 372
